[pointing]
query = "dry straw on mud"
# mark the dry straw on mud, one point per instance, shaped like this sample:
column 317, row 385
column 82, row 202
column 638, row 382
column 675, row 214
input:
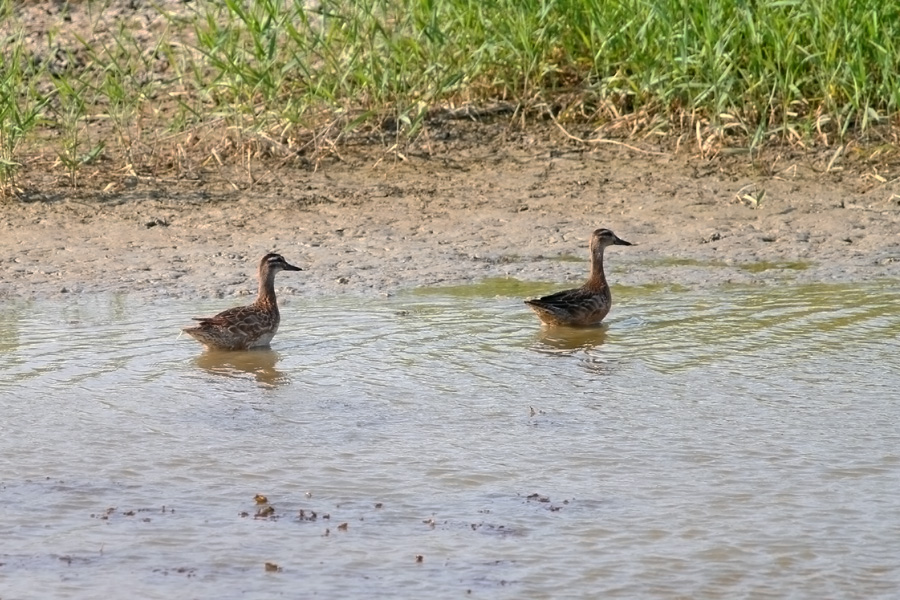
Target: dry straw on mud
column 164, row 87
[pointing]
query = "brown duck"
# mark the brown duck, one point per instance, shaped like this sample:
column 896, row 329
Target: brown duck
column 590, row 303
column 244, row 327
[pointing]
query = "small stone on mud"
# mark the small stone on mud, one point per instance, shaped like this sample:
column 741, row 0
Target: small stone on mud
column 156, row 221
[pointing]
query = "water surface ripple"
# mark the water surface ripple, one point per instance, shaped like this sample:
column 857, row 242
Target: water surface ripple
column 739, row 442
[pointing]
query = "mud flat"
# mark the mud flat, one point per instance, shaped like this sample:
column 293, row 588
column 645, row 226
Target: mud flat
column 489, row 208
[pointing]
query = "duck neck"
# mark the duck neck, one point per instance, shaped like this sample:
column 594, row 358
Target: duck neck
column 597, row 280
column 266, row 295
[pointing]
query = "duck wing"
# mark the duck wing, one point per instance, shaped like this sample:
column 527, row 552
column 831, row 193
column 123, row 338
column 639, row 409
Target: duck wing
column 226, row 317
column 564, row 300
column 578, row 307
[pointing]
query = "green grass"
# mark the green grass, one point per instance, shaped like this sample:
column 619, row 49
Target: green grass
column 287, row 77
column 20, row 108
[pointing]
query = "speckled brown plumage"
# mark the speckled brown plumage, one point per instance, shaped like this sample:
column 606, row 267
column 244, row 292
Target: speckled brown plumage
column 587, row 305
column 244, row 327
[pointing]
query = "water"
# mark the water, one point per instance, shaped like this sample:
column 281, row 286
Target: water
column 726, row 443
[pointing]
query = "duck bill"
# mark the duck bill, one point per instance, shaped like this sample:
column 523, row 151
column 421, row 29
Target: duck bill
column 290, row 267
column 620, row 242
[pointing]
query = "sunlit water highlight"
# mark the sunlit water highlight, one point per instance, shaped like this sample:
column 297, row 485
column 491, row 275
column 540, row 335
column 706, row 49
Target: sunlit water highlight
column 738, row 442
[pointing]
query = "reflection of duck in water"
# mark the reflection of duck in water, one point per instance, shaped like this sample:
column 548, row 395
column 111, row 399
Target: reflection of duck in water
column 567, row 339
column 260, row 363
column 244, row 327
column 590, row 303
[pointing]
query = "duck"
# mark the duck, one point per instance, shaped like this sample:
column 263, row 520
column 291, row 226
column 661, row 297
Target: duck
column 245, row 327
column 587, row 305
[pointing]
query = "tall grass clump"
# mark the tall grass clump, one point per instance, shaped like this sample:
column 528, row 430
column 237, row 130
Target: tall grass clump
column 126, row 88
column 372, row 59
column 782, row 67
column 764, row 68
column 20, row 109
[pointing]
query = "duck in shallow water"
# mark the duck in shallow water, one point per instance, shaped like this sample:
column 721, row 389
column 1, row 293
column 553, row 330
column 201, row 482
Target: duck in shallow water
column 590, row 303
column 244, row 327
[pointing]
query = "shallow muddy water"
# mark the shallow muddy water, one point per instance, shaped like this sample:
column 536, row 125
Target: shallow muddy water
column 734, row 442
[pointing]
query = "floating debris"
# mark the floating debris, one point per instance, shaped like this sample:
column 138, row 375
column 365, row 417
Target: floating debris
column 272, row 568
column 546, row 500
column 111, row 512
column 303, row 515
column 419, row 558
column 499, row 530
column 260, row 499
column 190, row 572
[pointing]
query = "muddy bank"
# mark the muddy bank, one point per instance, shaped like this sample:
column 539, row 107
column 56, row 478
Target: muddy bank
column 372, row 227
